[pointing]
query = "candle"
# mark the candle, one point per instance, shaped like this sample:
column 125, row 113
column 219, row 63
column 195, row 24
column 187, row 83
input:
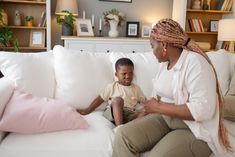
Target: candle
column 83, row 14
column 93, row 20
column 100, row 24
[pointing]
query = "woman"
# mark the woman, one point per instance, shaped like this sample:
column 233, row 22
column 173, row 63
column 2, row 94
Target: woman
column 185, row 117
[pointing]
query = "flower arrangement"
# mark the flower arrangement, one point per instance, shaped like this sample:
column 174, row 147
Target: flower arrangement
column 114, row 14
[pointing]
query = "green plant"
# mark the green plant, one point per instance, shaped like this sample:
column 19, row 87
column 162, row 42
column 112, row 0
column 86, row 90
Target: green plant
column 6, row 36
column 29, row 18
column 114, row 14
column 66, row 20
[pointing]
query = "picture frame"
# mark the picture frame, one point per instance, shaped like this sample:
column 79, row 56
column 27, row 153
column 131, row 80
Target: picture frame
column 84, row 27
column 146, row 31
column 125, row 1
column 37, row 38
column 214, row 25
column 132, row 29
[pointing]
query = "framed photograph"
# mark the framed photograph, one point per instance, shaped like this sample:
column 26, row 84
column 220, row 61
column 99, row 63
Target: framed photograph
column 132, row 29
column 126, row 1
column 214, row 25
column 84, row 27
column 146, row 30
column 37, row 38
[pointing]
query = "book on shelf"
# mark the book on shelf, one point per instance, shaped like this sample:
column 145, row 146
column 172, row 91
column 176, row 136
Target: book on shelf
column 224, row 5
column 196, row 25
column 43, row 19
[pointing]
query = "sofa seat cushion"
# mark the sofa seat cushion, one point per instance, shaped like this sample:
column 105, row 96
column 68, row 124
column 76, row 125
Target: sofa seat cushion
column 95, row 141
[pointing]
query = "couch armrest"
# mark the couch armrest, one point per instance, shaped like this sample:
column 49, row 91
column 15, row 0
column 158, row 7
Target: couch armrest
column 6, row 90
column 229, row 107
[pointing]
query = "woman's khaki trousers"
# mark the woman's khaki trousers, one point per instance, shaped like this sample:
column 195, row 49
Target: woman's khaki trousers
column 161, row 135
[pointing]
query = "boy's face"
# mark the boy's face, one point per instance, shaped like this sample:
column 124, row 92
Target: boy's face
column 125, row 74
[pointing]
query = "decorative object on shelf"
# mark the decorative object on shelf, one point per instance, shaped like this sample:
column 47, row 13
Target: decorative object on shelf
column 84, row 27
column 4, row 18
column 227, row 32
column 196, row 4
column 126, row 1
column 214, row 25
column 206, row 5
column 6, row 36
column 17, row 18
column 29, row 21
column 67, row 22
column 132, row 29
column 113, row 18
column 37, row 38
column 146, row 31
column 67, row 10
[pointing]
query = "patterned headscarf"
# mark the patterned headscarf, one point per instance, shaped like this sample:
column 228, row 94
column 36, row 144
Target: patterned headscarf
column 169, row 31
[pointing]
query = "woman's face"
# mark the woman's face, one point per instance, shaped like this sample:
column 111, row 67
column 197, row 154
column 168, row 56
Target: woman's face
column 158, row 50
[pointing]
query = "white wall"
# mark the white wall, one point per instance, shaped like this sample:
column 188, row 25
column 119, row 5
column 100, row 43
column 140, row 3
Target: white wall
column 144, row 11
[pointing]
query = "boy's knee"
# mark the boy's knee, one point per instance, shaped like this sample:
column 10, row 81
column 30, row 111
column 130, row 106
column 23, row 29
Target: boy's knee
column 117, row 101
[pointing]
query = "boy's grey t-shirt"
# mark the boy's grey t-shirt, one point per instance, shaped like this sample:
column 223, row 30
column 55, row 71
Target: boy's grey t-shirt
column 126, row 92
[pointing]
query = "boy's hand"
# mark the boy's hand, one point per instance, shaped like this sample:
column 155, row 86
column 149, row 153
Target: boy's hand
column 83, row 112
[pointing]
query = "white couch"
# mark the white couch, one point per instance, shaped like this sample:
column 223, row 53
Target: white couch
column 77, row 78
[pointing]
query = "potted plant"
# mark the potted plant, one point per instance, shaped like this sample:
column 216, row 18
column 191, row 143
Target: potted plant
column 6, row 36
column 67, row 22
column 29, row 21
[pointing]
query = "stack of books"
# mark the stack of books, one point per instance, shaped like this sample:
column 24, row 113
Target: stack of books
column 195, row 25
column 225, row 5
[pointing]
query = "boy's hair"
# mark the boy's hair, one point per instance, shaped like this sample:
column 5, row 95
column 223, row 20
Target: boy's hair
column 123, row 61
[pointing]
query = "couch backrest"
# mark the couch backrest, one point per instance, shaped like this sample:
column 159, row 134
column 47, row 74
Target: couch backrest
column 224, row 64
column 81, row 77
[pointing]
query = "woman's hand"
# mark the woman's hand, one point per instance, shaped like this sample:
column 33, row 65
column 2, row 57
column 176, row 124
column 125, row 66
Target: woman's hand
column 151, row 106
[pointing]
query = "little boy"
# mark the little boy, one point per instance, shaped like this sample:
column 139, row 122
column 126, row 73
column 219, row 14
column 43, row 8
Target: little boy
column 122, row 95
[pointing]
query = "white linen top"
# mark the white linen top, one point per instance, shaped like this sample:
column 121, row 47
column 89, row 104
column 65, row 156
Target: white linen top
column 165, row 88
column 194, row 84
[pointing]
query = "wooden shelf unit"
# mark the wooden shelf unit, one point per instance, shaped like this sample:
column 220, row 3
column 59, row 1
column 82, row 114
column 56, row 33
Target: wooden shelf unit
column 22, row 33
column 206, row 16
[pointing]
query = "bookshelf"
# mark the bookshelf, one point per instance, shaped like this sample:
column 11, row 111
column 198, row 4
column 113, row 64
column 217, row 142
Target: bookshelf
column 205, row 16
column 22, row 33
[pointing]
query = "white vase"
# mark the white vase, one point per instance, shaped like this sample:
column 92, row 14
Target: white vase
column 113, row 32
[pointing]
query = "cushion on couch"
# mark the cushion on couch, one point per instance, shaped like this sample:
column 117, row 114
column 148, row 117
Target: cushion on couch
column 26, row 113
column 231, row 90
column 145, row 68
column 6, row 90
column 33, row 72
column 80, row 76
column 220, row 60
column 229, row 107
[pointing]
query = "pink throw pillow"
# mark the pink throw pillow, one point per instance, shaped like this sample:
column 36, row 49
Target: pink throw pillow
column 26, row 113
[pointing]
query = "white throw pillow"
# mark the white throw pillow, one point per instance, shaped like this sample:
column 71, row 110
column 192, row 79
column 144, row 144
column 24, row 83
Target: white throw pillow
column 231, row 90
column 220, row 60
column 145, row 69
column 80, row 76
column 31, row 72
column 6, row 90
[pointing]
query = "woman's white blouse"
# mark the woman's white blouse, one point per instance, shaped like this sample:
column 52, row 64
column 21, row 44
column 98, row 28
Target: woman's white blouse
column 194, row 84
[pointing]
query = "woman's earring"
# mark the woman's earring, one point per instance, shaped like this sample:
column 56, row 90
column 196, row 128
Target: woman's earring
column 164, row 53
